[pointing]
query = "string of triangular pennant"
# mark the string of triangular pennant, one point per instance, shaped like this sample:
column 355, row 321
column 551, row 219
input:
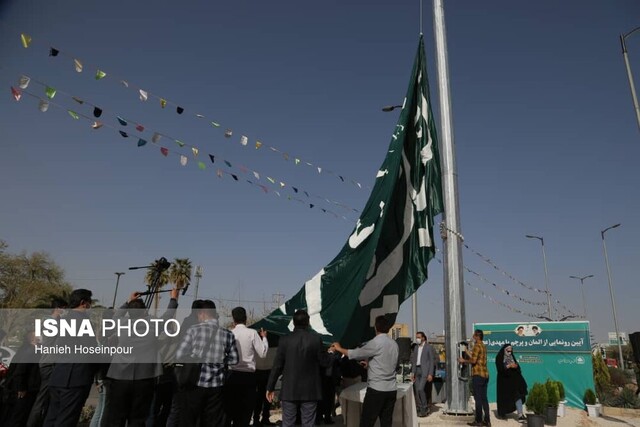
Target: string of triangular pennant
column 99, row 113
column 45, row 103
column 495, row 301
column 488, row 260
column 145, row 95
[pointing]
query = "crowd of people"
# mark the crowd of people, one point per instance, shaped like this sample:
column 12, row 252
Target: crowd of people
column 228, row 377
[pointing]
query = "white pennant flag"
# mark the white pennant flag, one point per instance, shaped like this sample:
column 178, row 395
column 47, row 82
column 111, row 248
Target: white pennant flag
column 244, row 140
column 78, row 65
column 24, row 82
column 143, row 95
column 195, row 151
column 43, row 105
column 183, row 160
column 256, row 174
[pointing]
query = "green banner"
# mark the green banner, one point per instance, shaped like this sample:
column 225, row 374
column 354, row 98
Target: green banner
column 385, row 258
column 557, row 350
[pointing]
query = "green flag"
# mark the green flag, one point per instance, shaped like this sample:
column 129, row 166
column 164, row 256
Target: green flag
column 385, row 258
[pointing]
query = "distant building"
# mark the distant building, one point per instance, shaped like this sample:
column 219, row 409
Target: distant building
column 623, row 338
column 399, row 330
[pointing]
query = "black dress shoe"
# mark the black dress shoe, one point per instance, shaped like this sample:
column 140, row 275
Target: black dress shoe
column 475, row 424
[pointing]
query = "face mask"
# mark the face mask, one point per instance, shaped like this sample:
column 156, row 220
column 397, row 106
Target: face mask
column 418, row 341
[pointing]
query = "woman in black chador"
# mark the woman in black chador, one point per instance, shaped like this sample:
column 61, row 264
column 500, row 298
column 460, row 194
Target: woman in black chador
column 511, row 386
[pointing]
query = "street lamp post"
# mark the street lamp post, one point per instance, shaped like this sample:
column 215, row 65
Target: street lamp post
column 625, row 55
column 546, row 273
column 613, row 301
column 116, row 291
column 584, row 301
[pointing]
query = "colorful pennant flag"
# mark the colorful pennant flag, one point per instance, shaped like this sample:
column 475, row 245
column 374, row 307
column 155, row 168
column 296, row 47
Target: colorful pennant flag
column 73, row 114
column 43, row 105
column 244, row 140
column 143, row 95
column 53, row 51
column 96, row 125
column 180, row 143
column 219, row 173
column 227, row 163
column 123, row 134
column 183, row 160
column 179, row 110
column 100, row 75
column 51, row 92
column 141, row 142
column 164, row 151
column 195, row 151
column 258, row 144
column 215, row 125
column 122, row 121
column 26, row 40
column 234, row 177
column 124, row 83
column 78, row 100
column 212, row 157
column 78, row 65
column 24, row 82
column 16, row 93
column 155, row 138
column 163, row 102
column 256, row 174
column 201, row 165
column 297, row 161
column 140, row 128
column 228, row 133
column 97, row 112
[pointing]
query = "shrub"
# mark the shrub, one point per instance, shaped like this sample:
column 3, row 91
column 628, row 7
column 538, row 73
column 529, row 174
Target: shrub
column 553, row 395
column 619, row 377
column 537, row 399
column 589, row 397
column 561, row 390
column 625, row 399
column 601, row 376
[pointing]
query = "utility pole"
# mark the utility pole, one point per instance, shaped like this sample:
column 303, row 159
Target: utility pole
column 198, row 275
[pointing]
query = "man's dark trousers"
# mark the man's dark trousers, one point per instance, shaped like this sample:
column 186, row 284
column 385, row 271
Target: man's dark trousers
column 378, row 404
column 65, row 405
column 128, row 401
column 479, row 385
column 240, row 396
column 307, row 412
column 202, row 403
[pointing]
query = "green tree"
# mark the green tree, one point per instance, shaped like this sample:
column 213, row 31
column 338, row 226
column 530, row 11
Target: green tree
column 27, row 280
column 180, row 272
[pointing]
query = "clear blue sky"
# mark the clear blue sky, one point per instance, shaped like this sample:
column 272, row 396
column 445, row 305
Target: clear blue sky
column 545, row 135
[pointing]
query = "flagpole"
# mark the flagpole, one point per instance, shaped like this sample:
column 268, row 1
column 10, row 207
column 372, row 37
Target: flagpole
column 454, row 319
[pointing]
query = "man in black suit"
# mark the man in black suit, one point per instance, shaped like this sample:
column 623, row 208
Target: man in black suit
column 71, row 382
column 299, row 359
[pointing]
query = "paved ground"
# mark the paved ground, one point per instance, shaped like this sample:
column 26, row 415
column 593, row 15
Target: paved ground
column 574, row 417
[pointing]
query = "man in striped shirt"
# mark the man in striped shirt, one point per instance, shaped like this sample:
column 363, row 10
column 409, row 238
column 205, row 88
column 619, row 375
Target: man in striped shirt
column 215, row 347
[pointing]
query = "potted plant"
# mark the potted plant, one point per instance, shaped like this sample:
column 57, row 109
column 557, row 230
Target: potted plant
column 536, row 402
column 563, row 399
column 590, row 401
column 553, row 399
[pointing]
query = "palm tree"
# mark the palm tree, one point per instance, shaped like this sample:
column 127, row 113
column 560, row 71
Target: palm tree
column 156, row 276
column 180, row 272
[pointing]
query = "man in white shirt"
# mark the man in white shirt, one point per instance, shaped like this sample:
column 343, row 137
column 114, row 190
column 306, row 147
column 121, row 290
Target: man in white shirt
column 240, row 387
